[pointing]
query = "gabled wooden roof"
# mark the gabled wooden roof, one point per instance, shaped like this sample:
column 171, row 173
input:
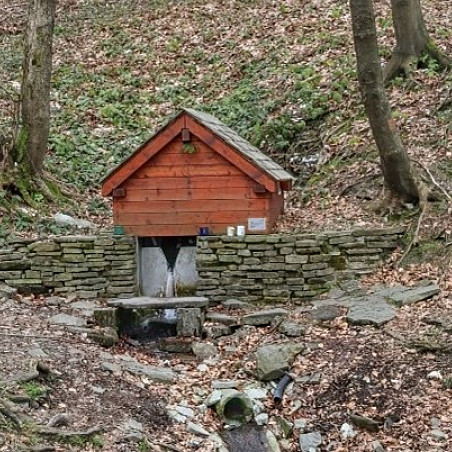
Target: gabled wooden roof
column 249, row 153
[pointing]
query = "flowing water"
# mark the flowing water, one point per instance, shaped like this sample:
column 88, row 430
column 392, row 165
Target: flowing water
column 169, row 314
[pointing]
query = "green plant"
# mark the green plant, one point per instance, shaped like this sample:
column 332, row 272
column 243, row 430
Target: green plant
column 97, row 441
column 34, row 390
column 144, row 446
column 448, row 382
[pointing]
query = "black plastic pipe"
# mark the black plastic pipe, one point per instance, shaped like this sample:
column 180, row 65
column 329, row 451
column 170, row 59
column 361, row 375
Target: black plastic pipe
column 279, row 391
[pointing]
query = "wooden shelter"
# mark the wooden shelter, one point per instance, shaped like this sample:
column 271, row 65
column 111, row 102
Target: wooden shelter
column 194, row 173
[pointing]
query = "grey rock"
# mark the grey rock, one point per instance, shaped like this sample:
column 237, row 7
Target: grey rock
column 107, row 337
column 285, row 426
column 365, row 423
column 202, row 350
column 87, row 307
column 189, row 322
column 132, row 425
column 98, row 390
column 261, row 419
column 291, row 329
column 411, row 296
column 55, row 301
column 214, row 398
column 133, row 430
column 438, row 435
column 67, row 220
column 370, row 312
column 185, row 411
column 197, row 429
column 232, row 303
column 152, row 372
column 325, row 313
column 347, row 431
column 300, row 423
column 112, row 367
column 67, row 320
column 175, row 416
column 216, row 331
column 311, row 378
column 7, row 292
column 265, row 317
column 225, row 384
column 435, row 423
column 224, row 319
column 37, row 352
column 272, row 442
column 175, row 344
column 159, row 303
column 274, row 359
column 106, row 317
column 377, row 447
column 256, row 393
column 310, row 441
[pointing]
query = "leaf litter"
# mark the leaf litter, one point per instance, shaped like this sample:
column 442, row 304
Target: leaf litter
column 153, row 57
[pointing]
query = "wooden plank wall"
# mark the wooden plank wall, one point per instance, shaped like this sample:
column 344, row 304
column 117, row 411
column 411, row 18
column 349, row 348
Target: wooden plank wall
column 178, row 192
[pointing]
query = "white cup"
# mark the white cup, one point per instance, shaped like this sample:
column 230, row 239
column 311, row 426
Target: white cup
column 240, row 230
column 231, row 230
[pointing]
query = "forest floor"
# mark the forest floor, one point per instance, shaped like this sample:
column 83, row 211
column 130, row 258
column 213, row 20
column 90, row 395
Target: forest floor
column 283, row 75
column 398, row 375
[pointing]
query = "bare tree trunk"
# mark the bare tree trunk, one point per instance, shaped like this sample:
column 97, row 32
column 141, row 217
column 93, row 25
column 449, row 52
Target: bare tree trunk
column 412, row 40
column 32, row 140
column 399, row 178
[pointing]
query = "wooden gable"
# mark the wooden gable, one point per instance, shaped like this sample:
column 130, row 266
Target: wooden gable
column 187, row 177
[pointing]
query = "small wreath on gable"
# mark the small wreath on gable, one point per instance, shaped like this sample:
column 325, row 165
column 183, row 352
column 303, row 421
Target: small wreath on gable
column 188, row 148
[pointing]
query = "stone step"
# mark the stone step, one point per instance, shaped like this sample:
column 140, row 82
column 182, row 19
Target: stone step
column 159, row 303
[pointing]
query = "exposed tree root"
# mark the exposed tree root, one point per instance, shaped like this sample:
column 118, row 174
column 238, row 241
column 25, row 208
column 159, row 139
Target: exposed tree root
column 423, row 203
column 406, row 64
column 433, row 180
column 33, row 188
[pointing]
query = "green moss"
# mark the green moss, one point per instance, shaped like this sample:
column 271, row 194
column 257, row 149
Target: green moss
column 338, row 262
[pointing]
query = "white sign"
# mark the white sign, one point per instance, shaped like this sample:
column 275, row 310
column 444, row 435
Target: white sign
column 257, row 224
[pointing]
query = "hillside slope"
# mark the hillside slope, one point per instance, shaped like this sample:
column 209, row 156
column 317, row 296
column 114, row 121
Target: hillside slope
column 282, row 74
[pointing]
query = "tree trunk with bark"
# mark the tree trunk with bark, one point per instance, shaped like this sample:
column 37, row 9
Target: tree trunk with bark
column 399, row 179
column 23, row 163
column 412, row 40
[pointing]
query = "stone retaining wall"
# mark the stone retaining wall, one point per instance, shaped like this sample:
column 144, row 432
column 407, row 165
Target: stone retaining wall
column 275, row 268
column 255, row 268
column 86, row 266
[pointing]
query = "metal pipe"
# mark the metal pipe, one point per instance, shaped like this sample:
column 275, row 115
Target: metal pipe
column 279, row 391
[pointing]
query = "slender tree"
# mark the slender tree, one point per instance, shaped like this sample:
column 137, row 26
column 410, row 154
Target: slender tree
column 23, row 164
column 399, row 179
column 412, row 40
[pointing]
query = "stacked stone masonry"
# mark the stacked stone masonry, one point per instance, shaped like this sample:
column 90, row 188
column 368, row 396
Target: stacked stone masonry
column 86, row 266
column 254, row 268
column 278, row 268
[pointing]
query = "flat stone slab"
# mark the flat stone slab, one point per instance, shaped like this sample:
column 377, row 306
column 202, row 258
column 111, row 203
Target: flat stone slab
column 67, row 320
column 370, row 311
column 411, row 296
column 159, row 303
column 163, row 375
column 264, row 317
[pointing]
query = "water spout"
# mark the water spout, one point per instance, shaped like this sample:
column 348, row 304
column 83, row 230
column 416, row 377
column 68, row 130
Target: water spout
column 169, row 314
